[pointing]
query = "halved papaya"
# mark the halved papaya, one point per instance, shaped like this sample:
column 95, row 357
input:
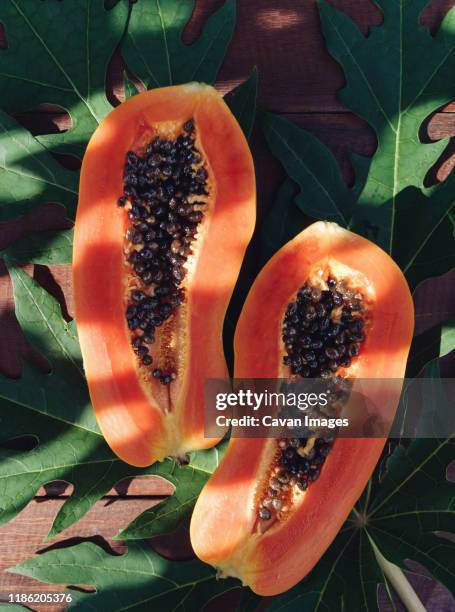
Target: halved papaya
column 166, row 211
column 329, row 304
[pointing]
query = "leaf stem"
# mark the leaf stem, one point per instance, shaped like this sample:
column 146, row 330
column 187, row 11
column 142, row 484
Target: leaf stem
column 398, row 580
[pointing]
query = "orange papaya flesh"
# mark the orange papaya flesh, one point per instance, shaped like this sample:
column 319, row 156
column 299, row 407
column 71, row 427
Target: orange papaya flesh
column 166, row 210
column 268, row 521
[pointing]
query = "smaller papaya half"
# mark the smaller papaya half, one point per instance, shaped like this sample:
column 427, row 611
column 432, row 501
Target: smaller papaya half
column 166, row 210
column 329, row 304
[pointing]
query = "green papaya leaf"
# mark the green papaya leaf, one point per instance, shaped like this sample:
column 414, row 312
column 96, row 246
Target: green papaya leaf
column 71, row 43
column 323, row 193
column 395, row 106
column 137, row 580
column 154, row 50
column 42, row 323
column 394, row 94
column 55, row 409
column 30, row 177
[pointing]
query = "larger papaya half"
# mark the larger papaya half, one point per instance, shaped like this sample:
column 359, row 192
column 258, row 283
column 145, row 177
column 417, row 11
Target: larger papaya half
column 166, row 210
column 329, row 304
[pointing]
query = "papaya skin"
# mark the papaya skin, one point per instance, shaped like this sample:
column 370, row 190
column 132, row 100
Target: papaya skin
column 224, row 527
column 143, row 421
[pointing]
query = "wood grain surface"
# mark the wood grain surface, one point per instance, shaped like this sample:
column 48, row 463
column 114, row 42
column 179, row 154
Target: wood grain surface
column 297, row 78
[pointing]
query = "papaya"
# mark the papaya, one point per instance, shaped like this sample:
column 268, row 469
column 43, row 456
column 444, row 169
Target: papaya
column 329, row 304
column 166, row 210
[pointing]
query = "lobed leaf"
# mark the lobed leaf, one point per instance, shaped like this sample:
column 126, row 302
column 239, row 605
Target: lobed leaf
column 415, row 504
column 30, row 177
column 346, row 578
column 154, row 50
column 55, row 408
column 389, row 202
column 137, row 580
column 323, row 193
column 73, row 43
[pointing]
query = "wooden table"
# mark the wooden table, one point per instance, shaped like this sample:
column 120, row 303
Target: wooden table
column 297, row 78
